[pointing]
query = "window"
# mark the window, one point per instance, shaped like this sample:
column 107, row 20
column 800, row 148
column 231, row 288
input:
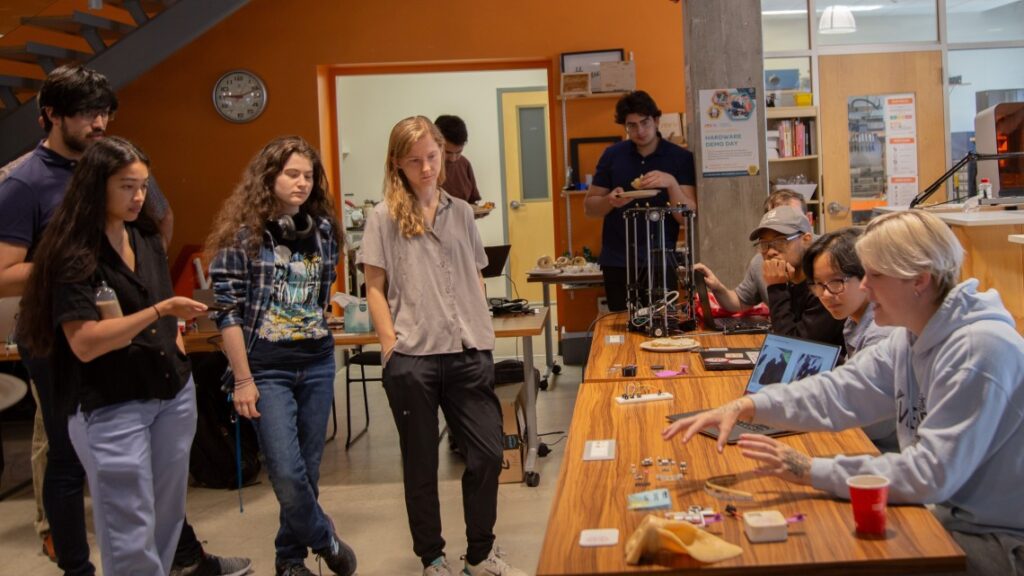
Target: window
column 984, row 20
column 847, row 22
column 784, row 25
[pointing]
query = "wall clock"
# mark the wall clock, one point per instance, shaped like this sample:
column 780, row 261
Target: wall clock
column 239, row 96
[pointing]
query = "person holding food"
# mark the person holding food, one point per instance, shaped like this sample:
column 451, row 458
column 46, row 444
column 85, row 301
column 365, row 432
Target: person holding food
column 644, row 161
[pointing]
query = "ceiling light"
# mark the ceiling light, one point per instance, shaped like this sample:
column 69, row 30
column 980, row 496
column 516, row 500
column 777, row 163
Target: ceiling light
column 837, row 19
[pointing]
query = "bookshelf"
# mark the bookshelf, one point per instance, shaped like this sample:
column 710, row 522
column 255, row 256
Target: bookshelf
column 794, row 135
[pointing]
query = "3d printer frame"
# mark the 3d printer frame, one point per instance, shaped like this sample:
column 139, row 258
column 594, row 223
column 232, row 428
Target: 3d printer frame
column 658, row 275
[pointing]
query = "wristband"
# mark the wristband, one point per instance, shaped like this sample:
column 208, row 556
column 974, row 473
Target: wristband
column 157, row 310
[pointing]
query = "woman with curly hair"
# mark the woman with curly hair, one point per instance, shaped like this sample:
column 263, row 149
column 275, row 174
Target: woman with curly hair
column 122, row 381
column 275, row 249
column 422, row 256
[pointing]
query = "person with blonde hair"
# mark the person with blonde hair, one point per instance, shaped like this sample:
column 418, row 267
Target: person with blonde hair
column 275, row 249
column 951, row 374
column 422, row 257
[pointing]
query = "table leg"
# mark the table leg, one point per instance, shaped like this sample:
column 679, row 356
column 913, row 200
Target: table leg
column 549, row 356
column 532, row 440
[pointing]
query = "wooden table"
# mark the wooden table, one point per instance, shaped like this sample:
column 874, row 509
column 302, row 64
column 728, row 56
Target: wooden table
column 593, row 495
column 521, row 326
column 587, row 280
column 607, row 358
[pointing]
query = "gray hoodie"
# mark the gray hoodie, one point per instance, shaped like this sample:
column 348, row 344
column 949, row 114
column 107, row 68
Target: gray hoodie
column 957, row 392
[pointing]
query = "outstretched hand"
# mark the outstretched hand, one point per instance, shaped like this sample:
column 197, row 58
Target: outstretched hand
column 776, row 458
column 724, row 418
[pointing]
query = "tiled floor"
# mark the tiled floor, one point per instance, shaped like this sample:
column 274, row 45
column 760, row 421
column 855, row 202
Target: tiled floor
column 360, row 488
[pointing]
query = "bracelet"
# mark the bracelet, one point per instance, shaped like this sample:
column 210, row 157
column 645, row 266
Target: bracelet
column 157, row 310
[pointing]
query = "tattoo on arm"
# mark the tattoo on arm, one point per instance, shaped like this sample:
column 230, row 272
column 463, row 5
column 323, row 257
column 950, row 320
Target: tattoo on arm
column 796, row 463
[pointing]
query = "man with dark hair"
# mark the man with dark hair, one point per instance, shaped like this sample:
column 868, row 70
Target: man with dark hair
column 76, row 104
column 459, row 180
column 643, row 161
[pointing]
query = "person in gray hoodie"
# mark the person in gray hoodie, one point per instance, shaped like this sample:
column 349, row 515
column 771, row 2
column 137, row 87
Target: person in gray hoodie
column 952, row 374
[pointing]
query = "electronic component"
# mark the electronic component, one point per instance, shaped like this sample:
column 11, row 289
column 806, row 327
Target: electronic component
column 765, row 526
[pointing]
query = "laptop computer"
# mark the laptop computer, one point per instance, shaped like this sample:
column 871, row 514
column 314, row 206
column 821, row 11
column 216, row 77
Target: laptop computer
column 782, row 360
column 496, row 258
column 744, row 325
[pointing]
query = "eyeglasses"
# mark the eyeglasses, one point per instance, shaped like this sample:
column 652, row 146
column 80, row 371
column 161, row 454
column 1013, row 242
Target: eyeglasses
column 777, row 244
column 634, row 126
column 92, row 115
column 834, row 287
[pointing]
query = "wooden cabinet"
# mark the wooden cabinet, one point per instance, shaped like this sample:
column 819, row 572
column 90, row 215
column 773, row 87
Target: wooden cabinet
column 793, row 132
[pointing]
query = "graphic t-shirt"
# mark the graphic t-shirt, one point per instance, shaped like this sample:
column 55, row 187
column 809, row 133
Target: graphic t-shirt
column 293, row 331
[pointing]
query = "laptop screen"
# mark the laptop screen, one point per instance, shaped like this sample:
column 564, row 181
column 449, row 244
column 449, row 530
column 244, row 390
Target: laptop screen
column 784, row 359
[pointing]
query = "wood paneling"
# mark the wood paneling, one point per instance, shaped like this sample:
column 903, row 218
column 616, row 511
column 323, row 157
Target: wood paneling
column 841, row 77
column 996, row 263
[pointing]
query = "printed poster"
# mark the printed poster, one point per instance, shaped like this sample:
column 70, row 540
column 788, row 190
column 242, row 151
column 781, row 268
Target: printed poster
column 729, row 142
column 900, row 149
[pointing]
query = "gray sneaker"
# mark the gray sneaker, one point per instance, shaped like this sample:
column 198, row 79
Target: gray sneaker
column 439, row 567
column 492, row 566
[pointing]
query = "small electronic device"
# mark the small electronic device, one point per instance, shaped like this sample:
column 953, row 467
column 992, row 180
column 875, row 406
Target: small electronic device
column 217, row 307
column 629, row 370
column 765, row 526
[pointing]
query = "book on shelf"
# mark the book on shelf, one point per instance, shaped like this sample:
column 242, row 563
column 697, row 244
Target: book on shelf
column 793, row 138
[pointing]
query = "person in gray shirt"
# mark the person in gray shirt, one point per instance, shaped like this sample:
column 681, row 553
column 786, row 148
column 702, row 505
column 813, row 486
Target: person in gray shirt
column 422, row 257
column 752, row 290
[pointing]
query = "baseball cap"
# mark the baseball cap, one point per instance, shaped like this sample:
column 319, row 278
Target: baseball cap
column 785, row 220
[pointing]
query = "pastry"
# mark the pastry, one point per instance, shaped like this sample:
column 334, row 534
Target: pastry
column 579, row 261
column 545, row 263
column 562, row 262
column 636, row 182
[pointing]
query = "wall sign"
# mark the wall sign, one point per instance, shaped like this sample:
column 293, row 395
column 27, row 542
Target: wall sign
column 728, row 135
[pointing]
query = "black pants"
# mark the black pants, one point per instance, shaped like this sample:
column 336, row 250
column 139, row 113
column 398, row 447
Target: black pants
column 64, row 484
column 463, row 386
column 615, row 287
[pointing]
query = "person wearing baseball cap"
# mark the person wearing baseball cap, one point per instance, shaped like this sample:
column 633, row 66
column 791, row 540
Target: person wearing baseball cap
column 782, row 237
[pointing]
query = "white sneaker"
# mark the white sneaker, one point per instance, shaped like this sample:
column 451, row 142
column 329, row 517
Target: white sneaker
column 439, row 567
column 492, row 566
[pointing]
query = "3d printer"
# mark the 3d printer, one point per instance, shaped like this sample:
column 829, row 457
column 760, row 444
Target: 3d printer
column 659, row 278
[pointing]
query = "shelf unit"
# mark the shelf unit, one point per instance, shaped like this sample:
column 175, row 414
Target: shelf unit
column 567, row 193
column 808, row 164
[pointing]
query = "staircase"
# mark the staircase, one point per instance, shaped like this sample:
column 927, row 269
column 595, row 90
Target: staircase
column 120, row 38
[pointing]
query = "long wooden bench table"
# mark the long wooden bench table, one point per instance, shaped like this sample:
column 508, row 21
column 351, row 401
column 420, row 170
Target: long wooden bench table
column 593, row 494
column 613, row 346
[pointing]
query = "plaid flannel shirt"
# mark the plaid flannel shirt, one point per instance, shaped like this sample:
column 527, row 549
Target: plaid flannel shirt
column 246, row 285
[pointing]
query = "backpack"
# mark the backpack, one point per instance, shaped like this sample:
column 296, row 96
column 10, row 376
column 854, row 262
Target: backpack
column 511, row 372
column 212, row 461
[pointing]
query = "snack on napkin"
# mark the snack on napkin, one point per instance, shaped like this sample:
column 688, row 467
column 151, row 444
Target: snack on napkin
column 655, row 535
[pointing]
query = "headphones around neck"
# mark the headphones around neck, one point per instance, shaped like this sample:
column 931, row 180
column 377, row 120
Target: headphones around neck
column 287, row 228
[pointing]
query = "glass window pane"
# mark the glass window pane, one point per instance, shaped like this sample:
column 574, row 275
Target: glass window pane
column 846, row 22
column 985, row 20
column 784, row 25
column 784, row 77
column 979, row 79
column 533, row 153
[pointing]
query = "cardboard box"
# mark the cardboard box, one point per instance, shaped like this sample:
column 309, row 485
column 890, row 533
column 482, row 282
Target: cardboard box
column 575, row 84
column 616, row 77
column 512, row 433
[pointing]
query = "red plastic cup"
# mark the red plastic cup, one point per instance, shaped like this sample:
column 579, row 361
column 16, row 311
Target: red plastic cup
column 868, row 494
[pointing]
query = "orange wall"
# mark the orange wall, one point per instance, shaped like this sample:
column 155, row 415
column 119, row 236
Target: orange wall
column 198, row 157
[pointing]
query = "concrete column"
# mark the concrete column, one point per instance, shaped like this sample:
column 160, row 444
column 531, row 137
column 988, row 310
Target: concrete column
column 723, row 49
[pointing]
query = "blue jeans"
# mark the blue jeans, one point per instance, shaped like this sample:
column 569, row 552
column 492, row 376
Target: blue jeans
column 294, row 406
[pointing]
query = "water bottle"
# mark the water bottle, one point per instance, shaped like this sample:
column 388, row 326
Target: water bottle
column 106, row 302
column 985, row 189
